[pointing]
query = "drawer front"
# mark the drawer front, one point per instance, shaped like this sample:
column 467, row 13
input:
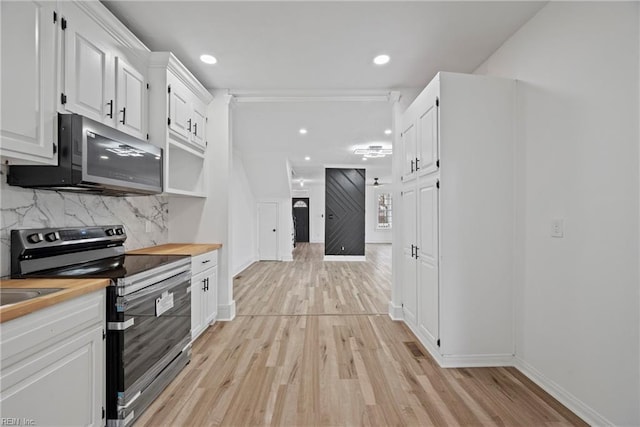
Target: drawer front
column 199, row 263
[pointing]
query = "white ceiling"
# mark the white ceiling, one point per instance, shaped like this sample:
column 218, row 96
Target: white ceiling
column 321, row 46
column 334, row 129
column 324, row 44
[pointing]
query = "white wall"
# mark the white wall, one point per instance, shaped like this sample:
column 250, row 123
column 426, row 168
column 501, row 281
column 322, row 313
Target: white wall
column 371, row 233
column 207, row 220
column 577, row 159
column 244, row 219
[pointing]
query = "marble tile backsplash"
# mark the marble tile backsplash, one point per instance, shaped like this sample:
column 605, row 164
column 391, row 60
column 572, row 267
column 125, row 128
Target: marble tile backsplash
column 24, row 208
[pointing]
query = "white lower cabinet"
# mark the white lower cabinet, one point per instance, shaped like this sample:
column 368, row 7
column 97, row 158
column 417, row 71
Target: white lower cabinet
column 53, row 364
column 204, row 292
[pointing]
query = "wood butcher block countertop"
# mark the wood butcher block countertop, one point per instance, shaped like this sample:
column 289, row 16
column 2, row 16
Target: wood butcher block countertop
column 192, row 249
column 71, row 288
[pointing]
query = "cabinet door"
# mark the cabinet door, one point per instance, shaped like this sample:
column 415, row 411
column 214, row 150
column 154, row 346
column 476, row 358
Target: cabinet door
column 408, row 143
column 197, row 295
column 179, row 109
column 409, row 286
column 427, row 143
column 428, row 263
column 28, row 103
column 210, row 306
column 62, row 385
column 198, row 126
column 89, row 72
column 131, row 100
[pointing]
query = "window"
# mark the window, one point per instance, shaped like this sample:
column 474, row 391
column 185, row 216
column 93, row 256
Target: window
column 300, row 204
column 385, row 208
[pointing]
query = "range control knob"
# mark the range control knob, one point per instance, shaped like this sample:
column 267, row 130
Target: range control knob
column 111, row 231
column 35, row 238
column 52, row 237
column 119, row 231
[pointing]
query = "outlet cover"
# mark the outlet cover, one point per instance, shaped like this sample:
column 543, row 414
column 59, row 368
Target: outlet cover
column 557, row 228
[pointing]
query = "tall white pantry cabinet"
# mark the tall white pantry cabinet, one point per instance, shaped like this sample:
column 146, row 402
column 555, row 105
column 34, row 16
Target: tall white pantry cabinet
column 457, row 203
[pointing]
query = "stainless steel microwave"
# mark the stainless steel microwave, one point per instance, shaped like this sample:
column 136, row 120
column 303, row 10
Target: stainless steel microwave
column 94, row 158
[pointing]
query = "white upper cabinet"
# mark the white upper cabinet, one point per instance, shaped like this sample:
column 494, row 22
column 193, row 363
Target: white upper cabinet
column 177, row 123
column 408, row 150
column 187, row 114
column 28, row 125
column 88, row 70
column 131, row 110
column 198, row 125
column 104, row 75
column 427, row 144
column 180, row 121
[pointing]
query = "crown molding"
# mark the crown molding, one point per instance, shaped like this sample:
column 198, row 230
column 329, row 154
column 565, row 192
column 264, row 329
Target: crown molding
column 167, row 60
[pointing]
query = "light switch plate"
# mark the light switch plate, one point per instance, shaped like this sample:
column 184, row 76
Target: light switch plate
column 557, row 228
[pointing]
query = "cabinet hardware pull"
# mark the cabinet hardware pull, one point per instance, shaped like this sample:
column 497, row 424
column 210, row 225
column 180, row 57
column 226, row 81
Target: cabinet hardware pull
column 206, row 261
column 412, row 170
column 195, row 129
column 124, row 112
column 417, row 252
column 110, row 104
column 412, row 254
column 417, row 162
column 189, row 123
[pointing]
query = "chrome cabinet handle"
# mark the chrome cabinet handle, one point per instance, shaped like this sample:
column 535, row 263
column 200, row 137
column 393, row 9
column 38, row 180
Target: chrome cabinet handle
column 189, row 125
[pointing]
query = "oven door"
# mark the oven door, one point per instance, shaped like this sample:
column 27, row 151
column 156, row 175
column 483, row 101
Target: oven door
column 147, row 330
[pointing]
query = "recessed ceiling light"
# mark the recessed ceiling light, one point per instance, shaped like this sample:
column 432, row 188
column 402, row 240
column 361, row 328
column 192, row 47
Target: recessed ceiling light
column 381, row 59
column 364, row 159
column 302, row 131
column 302, row 183
column 208, row 59
column 307, row 158
column 387, row 131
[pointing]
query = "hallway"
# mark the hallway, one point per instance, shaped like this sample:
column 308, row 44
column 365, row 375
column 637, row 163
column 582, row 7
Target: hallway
column 312, row 345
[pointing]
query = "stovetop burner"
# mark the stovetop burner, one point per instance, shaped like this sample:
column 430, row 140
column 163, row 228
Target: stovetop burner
column 110, row 268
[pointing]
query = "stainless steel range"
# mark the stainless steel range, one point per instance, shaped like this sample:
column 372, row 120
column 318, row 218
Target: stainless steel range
column 148, row 306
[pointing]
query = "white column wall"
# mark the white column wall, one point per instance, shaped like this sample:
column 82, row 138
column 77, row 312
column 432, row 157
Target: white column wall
column 577, row 159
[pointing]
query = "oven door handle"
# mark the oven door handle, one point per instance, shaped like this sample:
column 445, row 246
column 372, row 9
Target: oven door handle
column 120, row 326
column 167, row 284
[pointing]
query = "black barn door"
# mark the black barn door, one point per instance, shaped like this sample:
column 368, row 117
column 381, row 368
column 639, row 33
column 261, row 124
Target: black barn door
column 301, row 218
column 344, row 208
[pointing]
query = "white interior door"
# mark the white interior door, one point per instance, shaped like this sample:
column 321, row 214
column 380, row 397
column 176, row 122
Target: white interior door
column 409, row 285
column 268, row 231
column 427, row 252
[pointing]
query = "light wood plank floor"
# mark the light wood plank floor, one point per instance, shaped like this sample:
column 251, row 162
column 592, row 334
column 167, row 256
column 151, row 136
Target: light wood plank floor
column 312, row 345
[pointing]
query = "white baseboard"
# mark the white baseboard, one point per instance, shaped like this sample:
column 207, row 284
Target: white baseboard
column 578, row 407
column 345, row 258
column 581, row 409
column 227, row 312
column 395, row 311
column 476, row 360
column 245, row 266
